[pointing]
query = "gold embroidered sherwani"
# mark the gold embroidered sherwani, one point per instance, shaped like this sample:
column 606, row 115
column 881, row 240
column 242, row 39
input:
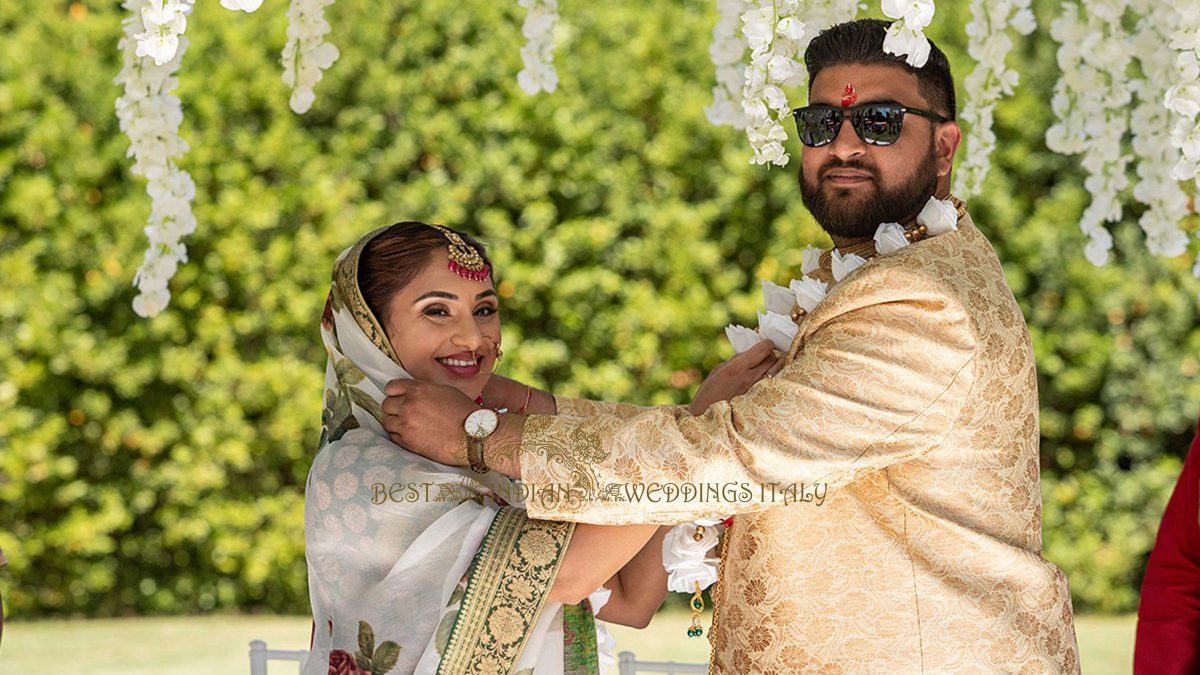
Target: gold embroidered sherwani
column 910, row 394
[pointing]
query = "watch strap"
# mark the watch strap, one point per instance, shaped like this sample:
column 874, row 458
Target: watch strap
column 475, row 454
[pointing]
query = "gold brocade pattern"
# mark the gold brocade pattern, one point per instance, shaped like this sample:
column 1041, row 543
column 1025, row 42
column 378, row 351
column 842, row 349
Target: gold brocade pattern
column 576, row 407
column 910, row 394
column 345, row 282
column 578, row 455
column 509, row 582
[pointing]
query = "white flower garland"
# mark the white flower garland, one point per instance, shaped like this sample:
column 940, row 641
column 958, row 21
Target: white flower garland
column 775, row 34
column 1152, row 121
column 163, row 23
column 906, row 36
column 1091, row 101
column 152, row 46
column 538, row 52
column 775, row 322
column 1183, row 95
column 149, row 114
column 728, row 52
column 686, row 557
column 306, row 54
column 989, row 44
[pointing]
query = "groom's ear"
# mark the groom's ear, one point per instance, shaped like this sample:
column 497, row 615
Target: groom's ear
column 946, row 139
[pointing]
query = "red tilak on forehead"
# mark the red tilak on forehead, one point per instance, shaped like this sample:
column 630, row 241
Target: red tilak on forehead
column 849, row 96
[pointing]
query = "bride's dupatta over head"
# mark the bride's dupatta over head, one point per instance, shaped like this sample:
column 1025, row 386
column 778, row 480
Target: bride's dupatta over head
column 414, row 566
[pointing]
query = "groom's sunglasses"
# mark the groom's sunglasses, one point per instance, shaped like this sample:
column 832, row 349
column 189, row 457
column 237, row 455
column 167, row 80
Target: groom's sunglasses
column 875, row 123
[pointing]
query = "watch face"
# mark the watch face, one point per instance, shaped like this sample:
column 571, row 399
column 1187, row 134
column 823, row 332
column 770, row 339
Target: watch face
column 481, row 423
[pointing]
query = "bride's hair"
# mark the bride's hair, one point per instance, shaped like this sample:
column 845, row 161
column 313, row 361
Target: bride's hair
column 394, row 257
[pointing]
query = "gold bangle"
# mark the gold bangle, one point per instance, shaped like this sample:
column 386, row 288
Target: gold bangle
column 528, row 398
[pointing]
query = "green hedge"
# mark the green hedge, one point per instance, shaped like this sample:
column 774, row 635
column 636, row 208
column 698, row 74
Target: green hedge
column 158, row 466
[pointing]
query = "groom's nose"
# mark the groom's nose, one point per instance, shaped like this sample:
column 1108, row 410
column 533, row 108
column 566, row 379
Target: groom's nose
column 847, row 144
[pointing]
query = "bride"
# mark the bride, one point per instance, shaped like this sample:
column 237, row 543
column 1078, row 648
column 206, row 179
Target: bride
column 418, row 567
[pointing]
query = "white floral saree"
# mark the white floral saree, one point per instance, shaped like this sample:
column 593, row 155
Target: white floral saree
column 417, row 567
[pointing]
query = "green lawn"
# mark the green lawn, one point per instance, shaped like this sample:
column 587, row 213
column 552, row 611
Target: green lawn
column 218, row 644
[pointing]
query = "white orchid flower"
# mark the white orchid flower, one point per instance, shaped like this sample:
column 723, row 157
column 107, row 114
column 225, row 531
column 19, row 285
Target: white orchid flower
column 939, row 216
column 889, row 238
column 777, row 328
column 741, row 338
column 808, row 292
column 843, row 265
column 776, row 298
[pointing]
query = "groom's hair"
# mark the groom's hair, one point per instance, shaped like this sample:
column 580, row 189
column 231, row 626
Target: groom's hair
column 394, row 257
column 861, row 42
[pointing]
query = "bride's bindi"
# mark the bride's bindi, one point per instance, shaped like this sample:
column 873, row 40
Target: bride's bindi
column 849, row 96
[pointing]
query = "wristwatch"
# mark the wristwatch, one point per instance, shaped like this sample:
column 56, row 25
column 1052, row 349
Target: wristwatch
column 479, row 425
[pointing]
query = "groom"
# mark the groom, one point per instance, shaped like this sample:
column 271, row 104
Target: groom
column 909, row 396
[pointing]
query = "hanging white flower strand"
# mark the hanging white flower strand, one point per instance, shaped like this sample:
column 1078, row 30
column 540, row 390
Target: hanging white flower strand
column 150, row 115
column 989, row 44
column 537, row 54
column 906, row 36
column 163, row 23
column 1152, row 121
column 306, row 54
column 1183, row 95
column 1091, row 102
column 728, row 52
column 775, row 33
column 152, row 46
column 777, row 38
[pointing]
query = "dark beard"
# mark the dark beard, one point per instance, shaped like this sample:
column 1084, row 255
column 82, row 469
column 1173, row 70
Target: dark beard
column 859, row 219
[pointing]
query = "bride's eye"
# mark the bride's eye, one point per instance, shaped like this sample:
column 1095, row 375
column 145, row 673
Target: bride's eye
column 486, row 310
column 439, row 311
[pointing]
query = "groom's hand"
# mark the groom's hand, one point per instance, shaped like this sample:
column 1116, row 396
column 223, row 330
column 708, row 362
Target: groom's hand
column 735, row 376
column 427, row 419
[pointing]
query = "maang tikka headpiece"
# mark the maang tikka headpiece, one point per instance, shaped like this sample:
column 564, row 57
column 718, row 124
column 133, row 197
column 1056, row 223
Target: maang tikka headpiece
column 465, row 261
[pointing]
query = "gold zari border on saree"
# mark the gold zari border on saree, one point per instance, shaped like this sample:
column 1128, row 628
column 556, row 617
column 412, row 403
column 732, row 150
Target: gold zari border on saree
column 507, row 588
column 345, row 280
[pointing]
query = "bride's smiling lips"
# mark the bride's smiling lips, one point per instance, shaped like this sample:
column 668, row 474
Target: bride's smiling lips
column 462, row 364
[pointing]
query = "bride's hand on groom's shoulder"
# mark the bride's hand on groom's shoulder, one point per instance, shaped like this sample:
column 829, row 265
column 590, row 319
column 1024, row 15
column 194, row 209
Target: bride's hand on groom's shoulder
column 427, row 419
column 735, row 376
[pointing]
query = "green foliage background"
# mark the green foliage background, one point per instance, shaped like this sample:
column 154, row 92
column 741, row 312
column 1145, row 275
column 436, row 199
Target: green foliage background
column 158, row 466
